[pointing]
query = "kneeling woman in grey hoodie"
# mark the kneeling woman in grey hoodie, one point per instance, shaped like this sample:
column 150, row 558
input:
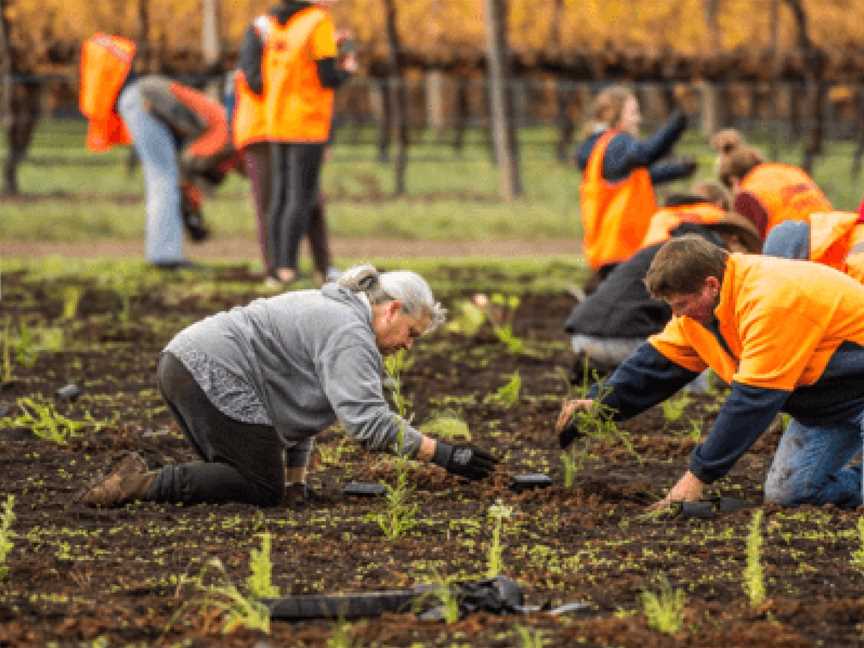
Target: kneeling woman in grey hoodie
column 247, row 383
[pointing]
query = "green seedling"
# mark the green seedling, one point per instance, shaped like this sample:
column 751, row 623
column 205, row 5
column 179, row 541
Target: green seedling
column 71, row 300
column 25, row 346
column 858, row 554
column 754, row 578
column 6, row 533
column 400, row 515
column 529, row 638
column 508, row 394
column 395, row 365
column 695, row 430
column 443, row 595
column 572, row 461
column 448, row 427
column 260, row 580
column 501, row 310
column 223, row 598
column 664, row 610
column 468, row 320
column 598, row 425
column 331, row 455
column 341, row 637
column 45, row 421
column 673, row 408
column 8, row 375
column 495, row 563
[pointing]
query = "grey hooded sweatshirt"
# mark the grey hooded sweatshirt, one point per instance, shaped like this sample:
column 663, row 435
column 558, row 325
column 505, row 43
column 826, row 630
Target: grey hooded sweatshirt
column 309, row 357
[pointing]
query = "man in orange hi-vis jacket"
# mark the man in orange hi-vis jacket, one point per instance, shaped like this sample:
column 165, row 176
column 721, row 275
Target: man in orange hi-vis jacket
column 785, row 335
column 289, row 59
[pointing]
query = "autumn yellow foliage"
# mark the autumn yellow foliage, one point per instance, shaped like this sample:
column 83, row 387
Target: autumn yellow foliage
column 449, row 30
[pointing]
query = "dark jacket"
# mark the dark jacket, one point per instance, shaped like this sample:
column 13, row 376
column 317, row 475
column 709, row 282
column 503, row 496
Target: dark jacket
column 621, row 306
column 626, row 153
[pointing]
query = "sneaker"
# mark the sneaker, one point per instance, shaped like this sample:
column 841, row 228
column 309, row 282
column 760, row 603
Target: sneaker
column 128, row 481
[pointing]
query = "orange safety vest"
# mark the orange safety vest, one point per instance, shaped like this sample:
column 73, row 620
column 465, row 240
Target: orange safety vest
column 296, row 106
column 615, row 215
column 106, row 61
column 837, row 240
column 782, row 320
column 668, row 218
column 785, row 192
column 249, row 124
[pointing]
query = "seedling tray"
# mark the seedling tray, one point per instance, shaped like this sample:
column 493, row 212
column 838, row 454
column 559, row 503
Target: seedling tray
column 527, row 481
column 364, row 489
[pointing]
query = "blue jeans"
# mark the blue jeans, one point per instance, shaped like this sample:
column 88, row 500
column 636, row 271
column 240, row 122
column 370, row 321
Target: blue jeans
column 158, row 154
column 810, row 465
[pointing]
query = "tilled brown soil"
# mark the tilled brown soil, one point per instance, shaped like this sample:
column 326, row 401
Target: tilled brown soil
column 126, row 575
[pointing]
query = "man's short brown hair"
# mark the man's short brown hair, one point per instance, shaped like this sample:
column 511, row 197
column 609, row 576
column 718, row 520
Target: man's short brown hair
column 683, row 264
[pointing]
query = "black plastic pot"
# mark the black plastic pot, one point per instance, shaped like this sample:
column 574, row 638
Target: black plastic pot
column 68, row 392
column 364, row 489
column 530, row 480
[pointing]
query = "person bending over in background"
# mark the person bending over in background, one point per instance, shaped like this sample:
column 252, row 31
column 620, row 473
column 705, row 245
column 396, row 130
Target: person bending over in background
column 619, row 173
column 246, row 384
column 768, row 193
column 608, row 326
column 786, row 336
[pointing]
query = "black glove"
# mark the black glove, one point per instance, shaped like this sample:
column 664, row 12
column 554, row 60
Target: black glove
column 193, row 221
column 569, row 434
column 688, row 165
column 464, row 460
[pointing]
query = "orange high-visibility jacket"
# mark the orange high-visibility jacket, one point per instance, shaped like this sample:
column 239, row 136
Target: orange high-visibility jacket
column 784, row 191
column 837, row 240
column 249, row 124
column 667, row 219
column 297, row 107
column 615, row 215
column 782, row 319
column 106, row 61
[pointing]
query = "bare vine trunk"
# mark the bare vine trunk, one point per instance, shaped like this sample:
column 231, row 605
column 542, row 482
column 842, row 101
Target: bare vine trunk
column 398, row 98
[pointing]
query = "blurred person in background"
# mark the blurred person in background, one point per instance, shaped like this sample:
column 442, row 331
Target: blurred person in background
column 251, row 388
column 768, row 193
column 617, row 197
column 609, row 324
column 179, row 134
column 289, row 60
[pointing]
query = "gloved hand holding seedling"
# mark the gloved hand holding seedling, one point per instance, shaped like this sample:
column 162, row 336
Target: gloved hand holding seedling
column 566, row 427
column 464, row 460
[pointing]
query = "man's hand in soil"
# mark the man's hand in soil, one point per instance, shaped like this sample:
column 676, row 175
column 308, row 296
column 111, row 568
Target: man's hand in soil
column 688, row 489
column 464, row 460
column 565, row 426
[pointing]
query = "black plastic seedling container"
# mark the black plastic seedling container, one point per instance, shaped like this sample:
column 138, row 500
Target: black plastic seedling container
column 68, row 392
column 709, row 508
column 530, row 480
column 364, row 489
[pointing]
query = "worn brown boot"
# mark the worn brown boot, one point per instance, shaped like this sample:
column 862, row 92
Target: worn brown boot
column 128, row 481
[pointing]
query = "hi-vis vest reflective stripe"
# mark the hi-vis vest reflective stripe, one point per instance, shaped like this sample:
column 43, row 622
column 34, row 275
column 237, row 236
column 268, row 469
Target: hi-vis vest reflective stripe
column 250, row 123
column 667, row 219
column 297, row 107
column 837, row 240
column 781, row 319
column 615, row 215
column 105, row 63
column 785, row 192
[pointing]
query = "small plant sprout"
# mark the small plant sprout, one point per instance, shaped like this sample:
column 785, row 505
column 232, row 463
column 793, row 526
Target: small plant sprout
column 858, row 554
column 401, row 514
column 498, row 512
column 6, row 533
column 8, row 375
column 341, row 637
column 442, row 595
column 572, row 461
column 446, row 426
column 529, row 638
column 45, row 421
column 468, row 319
column 598, row 424
column 223, row 598
column 260, row 580
column 673, row 408
column 754, row 578
column 508, row 394
column 71, row 299
column 395, row 365
column 500, row 310
column 664, row 610
column 695, row 430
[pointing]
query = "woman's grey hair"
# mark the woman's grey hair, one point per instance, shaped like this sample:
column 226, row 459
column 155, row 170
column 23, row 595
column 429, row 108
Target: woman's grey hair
column 408, row 287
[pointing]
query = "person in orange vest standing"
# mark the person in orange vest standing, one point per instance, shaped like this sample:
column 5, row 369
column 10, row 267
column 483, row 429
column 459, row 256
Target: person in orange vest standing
column 110, row 97
column 768, row 193
column 619, row 173
column 289, row 59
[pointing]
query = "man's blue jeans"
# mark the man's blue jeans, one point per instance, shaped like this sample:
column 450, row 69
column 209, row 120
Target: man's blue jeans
column 155, row 147
column 810, row 465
